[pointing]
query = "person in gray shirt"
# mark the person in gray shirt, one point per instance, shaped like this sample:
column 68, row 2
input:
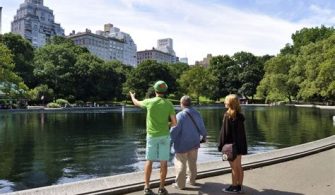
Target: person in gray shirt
column 186, row 137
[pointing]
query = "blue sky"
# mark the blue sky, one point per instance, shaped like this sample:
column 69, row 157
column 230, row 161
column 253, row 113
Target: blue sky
column 197, row 27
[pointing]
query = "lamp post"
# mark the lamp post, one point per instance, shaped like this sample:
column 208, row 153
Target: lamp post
column 42, row 98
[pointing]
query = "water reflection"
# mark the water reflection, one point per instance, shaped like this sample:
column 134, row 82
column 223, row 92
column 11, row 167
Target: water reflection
column 40, row 149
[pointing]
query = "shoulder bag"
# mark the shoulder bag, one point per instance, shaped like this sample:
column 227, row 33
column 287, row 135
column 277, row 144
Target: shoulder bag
column 229, row 152
column 202, row 140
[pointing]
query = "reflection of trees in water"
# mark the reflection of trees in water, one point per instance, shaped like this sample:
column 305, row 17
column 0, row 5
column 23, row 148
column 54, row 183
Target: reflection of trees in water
column 251, row 126
column 69, row 146
column 289, row 126
column 16, row 148
column 212, row 120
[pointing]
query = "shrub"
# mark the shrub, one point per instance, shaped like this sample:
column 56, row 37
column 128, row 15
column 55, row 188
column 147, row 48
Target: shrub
column 53, row 105
column 62, row 102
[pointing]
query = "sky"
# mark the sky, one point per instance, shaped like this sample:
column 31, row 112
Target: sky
column 197, row 27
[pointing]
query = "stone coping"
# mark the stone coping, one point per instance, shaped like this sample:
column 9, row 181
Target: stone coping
column 312, row 106
column 130, row 182
column 119, row 107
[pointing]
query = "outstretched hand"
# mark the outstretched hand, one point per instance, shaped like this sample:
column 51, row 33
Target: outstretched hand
column 135, row 101
column 131, row 94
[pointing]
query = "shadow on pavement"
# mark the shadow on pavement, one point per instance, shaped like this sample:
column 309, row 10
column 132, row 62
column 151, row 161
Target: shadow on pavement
column 210, row 188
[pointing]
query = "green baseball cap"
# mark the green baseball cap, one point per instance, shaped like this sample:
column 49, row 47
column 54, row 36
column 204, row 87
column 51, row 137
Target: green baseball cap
column 160, row 86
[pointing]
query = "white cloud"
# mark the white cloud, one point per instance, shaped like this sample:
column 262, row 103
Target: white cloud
column 197, row 29
column 320, row 15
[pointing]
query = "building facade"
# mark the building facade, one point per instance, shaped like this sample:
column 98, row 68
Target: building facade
column 109, row 44
column 183, row 60
column 155, row 54
column 166, row 46
column 205, row 62
column 163, row 53
column 35, row 22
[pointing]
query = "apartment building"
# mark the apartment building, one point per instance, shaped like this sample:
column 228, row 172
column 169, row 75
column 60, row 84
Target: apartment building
column 35, row 22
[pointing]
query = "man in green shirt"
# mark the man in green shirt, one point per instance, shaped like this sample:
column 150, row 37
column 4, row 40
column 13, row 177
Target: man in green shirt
column 159, row 111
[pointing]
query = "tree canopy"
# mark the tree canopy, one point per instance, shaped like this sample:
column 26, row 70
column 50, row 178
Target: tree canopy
column 143, row 77
column 10, row 83
column 304, row 70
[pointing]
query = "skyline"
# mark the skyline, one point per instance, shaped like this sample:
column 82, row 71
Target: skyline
column 196, row 27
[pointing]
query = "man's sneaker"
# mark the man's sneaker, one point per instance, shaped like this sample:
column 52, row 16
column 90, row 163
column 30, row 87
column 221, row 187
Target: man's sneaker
column 231, row 189
column 188, row 181
column 148, row 191
column 162, row 191
column 175, row 186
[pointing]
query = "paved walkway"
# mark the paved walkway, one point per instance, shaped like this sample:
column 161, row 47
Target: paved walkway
column 310, row 175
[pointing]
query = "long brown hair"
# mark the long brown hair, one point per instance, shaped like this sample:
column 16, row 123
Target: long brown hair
column 233, row 104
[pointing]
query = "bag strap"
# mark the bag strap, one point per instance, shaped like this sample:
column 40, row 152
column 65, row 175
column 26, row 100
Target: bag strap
column 195, row 124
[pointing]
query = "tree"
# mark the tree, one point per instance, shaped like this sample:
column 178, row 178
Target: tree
column 23, row 54
column 109, row 82
column 41, row 93
column 85, row 73
column 124, row 73
column 306, row 36
column 73, row 73
column 10, row 83
column 145, row 75
column 276, row 84
column 304, row 70
column 250, row 73
column 54, row 67
column 176, row 70
column 224, row 69
column 196, row 82
column 314, row 71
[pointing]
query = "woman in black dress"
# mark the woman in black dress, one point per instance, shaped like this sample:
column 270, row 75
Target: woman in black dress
column 232, row 131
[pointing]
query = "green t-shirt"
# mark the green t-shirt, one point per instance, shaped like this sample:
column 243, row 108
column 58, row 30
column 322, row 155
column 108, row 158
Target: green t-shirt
column 158, row 114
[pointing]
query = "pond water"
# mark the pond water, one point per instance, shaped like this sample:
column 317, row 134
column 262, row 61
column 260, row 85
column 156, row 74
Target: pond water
column 41, row 149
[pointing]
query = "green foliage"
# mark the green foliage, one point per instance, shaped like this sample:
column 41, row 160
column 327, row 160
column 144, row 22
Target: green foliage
column 53, row 105
column 196, row 82
column 251, row 72
column 315, row 70
column 59, row 40
column 23, row 54
column 307, row 36
column 304, row 70
column 145, row 75
column 123, row 72
column 41, row 93
column 240, row 73
column 53, row 65
column 73, row 73
column 10, row 83
column 177, row 69
column 276, row 84
column 62, row 102
column 223, row 69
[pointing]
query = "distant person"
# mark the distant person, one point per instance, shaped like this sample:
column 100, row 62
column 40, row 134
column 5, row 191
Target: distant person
column 232, row 131
column 159, row 111
column 186, row 138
